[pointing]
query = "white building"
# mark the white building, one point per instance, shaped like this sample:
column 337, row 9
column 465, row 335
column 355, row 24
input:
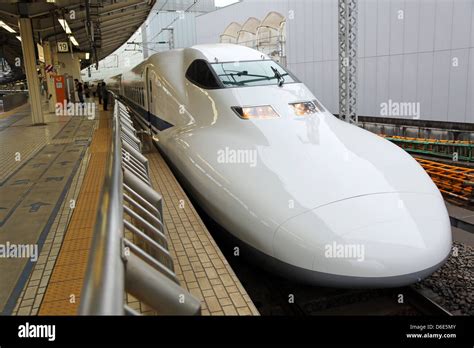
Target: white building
column 417, row 51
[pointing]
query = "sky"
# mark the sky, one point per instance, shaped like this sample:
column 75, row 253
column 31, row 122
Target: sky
column 221, row 3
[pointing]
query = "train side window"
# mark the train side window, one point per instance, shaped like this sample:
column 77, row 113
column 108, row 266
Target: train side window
column 201, row 75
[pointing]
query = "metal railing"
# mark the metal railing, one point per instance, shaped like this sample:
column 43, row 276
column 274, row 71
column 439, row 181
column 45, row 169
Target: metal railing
column 129, row 252
column 461, row 150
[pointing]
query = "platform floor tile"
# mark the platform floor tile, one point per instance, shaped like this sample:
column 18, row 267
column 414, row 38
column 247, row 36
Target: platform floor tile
column 24, row 151
column 199, row 264
column 19, row 140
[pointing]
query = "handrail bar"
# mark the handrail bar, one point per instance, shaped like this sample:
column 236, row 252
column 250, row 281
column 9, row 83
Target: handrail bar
column 104, row 290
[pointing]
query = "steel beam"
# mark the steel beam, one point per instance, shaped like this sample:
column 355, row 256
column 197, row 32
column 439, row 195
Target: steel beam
column 348, row 60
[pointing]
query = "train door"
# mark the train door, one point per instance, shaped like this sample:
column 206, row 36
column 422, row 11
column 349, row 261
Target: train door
column 148, row 93
column 157, row 99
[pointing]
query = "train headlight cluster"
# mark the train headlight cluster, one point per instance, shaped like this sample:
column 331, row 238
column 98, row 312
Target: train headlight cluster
column 255, row 112
column 305, row 108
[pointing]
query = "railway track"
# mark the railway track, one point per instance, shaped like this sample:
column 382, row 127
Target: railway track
column 424, row 303
column 463, row 150
column 274, row 299
column 454, row 181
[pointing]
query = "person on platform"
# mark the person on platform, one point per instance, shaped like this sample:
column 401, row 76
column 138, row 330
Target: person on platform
column 76, row 81
column 99, row 92
column 87, row 90
column 80, row 91
column 94, row 90
column 105, row 95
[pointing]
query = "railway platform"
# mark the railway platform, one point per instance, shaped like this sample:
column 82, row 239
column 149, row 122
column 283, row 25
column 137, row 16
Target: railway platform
column 462, row 220
column 53, row 178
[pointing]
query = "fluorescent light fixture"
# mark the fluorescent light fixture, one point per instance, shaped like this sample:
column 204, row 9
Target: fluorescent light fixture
column 19, row 38
column 87, row 55
column 65, row 26
column 6, row 27
column 73, row 40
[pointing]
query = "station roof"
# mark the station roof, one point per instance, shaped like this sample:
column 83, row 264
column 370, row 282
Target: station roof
column 232, row 30
column 250, row 25
column 273, row 20
column 112, row 23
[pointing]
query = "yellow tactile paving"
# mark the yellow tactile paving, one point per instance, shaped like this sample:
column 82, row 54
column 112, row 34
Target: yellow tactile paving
column 67, row 272
column 199, row 264
column 62, row 295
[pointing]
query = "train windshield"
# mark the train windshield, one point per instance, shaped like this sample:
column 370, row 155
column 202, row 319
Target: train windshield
column 252, row 73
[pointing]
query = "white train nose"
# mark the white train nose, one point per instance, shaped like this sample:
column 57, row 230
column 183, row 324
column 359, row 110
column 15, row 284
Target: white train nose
column 373, row 236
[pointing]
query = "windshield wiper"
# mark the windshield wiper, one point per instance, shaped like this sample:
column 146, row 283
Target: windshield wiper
column 280, row 78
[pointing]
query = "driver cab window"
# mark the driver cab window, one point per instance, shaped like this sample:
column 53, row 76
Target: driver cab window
column 201, row 75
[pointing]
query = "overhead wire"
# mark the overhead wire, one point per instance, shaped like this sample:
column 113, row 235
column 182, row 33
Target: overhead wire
column 175, row 19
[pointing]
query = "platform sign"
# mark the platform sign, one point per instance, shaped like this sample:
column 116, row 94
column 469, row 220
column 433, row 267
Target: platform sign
column 63, row 46
column 40, row 52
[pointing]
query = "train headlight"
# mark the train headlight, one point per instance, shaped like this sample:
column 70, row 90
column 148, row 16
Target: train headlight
column 305, row 108
column 255, row 112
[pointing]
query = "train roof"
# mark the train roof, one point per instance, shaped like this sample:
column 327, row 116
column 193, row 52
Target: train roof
column 228, row 52
column 182, row 57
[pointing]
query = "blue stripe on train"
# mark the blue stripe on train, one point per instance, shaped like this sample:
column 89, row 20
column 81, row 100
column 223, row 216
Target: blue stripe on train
column 157, row 122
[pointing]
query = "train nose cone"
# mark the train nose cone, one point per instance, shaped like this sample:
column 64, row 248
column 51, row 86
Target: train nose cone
column 385, row 239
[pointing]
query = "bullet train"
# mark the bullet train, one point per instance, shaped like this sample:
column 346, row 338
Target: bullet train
column 313, row 197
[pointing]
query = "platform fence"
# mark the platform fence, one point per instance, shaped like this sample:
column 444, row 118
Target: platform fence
column 129, row 253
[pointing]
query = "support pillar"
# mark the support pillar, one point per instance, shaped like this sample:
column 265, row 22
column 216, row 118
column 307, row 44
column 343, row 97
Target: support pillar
column 348, row 60
column 48, row 60
column 77, row 67
column 144, row 40
column 29, row 62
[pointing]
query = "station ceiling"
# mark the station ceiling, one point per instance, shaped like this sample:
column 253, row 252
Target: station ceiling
column 112, row 22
